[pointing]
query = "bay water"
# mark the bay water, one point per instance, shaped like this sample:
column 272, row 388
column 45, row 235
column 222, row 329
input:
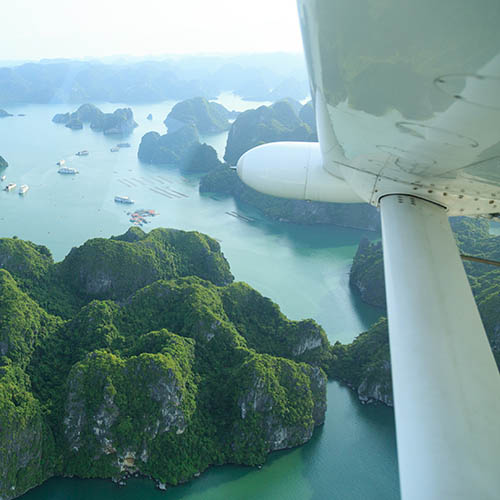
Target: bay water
column 302, row 268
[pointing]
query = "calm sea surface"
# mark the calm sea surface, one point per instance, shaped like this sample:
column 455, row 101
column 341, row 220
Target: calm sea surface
column 304, row 269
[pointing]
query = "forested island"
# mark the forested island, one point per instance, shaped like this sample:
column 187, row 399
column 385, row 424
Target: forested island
column 3, row 162
column 278, row 122
column 365, row 364
column 120, row 122
column 138, row 354
column 181, row 148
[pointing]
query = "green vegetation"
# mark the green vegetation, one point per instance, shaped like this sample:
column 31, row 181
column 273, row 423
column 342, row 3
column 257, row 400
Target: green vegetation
column 367, row 271
column 365, row 363
column 207, row 117
column 155, row 363
column 26, row 445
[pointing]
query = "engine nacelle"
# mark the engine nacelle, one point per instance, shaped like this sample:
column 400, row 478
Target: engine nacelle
column 293, row 170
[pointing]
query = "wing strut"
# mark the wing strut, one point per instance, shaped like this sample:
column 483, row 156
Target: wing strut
column 446, row 382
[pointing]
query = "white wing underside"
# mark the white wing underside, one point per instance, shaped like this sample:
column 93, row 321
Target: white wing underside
column 436, row 134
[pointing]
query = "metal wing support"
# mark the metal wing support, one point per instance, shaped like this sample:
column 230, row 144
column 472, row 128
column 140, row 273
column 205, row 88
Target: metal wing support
column 445, row 379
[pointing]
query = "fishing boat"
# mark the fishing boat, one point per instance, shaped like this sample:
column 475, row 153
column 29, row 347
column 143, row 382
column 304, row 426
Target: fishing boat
column 61, row 163
column 83, row 152
column 10, row 186
column 123, row 145
column 124, row 199
column 114, row 150
column 23, row 189
column 3, row 178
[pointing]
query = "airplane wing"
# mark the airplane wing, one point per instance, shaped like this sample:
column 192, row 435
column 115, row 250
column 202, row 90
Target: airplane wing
column 407, row 100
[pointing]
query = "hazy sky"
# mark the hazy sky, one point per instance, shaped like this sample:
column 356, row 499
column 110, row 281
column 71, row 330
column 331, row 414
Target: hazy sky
column 34, row 29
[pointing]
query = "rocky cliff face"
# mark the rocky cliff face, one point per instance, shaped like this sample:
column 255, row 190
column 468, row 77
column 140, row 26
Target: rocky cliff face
column 270, row 387
column 364, row 365
column 25, row 439
column 116, row 408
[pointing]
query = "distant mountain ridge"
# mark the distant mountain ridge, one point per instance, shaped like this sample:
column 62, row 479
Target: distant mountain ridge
column 261, row 77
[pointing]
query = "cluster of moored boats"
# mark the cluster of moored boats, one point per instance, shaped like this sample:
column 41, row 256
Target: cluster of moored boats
column 64, row 169
column 23, row 189
column 138, row 218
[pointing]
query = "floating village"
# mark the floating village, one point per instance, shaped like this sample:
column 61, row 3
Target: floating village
column 157, row 184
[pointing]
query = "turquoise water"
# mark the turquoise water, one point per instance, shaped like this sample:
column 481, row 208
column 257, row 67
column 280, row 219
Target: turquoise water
column 304, row 269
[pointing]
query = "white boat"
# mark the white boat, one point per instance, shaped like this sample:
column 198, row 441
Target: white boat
column 124, row 199
column 3, row 178
column 23, row 189
column 61, row 163
column 10, row 186
column 83, row 152
column 68, row 170
column 114, row 150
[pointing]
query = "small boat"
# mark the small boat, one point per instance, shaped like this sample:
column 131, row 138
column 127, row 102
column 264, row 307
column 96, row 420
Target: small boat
column 61, row 163
column 124, row 199
column 83, row 152
column 114, row 150
column 67, row 170
column 23, row 189
column 10, row 186
column 3, row 178
column 123, row 145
